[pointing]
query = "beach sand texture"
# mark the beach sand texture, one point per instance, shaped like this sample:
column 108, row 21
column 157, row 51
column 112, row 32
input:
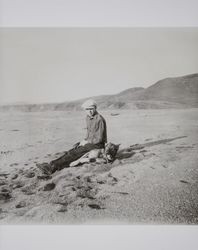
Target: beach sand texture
column 154, row 182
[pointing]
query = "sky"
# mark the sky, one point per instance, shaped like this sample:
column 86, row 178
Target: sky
column 59, row 64
column 100, row 13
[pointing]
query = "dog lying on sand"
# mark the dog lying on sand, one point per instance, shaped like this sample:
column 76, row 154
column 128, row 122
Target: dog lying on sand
column 98, row 155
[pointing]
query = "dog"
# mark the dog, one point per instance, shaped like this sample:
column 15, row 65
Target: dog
column 104, row 155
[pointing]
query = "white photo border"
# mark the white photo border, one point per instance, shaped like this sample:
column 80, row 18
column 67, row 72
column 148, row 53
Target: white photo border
column 98, row 13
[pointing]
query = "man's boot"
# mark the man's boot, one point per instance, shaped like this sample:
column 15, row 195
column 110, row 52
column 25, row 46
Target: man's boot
column 46, row 168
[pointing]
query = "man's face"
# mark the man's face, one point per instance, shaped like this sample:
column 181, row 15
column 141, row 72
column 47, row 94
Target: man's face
column 90, row 111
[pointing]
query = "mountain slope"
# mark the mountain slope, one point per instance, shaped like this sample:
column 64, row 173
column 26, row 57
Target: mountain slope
column 178, row 92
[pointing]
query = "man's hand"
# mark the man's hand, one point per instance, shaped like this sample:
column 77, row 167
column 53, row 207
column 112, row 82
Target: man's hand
column 83, row 143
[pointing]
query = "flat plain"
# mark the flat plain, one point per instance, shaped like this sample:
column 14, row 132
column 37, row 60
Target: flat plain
column 153, row 182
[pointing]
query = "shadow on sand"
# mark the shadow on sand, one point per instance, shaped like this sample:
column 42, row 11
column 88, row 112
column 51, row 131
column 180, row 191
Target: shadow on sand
column 129, row 152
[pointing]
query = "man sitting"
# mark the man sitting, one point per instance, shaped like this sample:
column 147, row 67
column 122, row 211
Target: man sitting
column 95, row 139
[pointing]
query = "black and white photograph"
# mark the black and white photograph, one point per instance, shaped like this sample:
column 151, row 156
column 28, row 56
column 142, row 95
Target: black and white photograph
column 98, row 125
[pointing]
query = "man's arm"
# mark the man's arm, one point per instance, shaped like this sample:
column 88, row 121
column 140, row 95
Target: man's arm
column 85, row 141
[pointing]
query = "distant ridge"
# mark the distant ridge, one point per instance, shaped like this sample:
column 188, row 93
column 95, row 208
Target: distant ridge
column 177, row 92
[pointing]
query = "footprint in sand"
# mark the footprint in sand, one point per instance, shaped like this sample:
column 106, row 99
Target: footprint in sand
column 6, row 152
column 86, row 192
column 18, row 184
column 49, row 186
column 101, row 182
column 63, row 204
column 21, row 204
column 29, row 189
column 5, row 190
column 14, row 176
column 123, row 193
column 95, row 206
column 5, row 194
column 112, row 180
column 63, row 209
column 21, row 170
column 4, row 175
column 44, row 177
column 183, row 181
column 14, row 164
column 29, row 174
column 3, row 182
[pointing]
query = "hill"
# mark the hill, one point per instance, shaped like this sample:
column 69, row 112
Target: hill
column 177, row 92
column 182, row 90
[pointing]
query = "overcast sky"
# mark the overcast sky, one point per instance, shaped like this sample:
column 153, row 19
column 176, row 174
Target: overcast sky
column 60, row 64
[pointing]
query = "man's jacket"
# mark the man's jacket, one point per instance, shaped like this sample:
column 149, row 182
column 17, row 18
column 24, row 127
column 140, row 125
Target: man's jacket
column 96, row 129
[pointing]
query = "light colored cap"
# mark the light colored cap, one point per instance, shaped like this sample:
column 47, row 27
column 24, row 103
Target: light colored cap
column 89, row 104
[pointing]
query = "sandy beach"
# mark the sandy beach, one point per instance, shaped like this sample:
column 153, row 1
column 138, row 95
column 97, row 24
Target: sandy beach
column 154, row 183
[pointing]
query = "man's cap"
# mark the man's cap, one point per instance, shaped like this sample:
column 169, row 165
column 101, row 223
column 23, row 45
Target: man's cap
column 89, row 104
